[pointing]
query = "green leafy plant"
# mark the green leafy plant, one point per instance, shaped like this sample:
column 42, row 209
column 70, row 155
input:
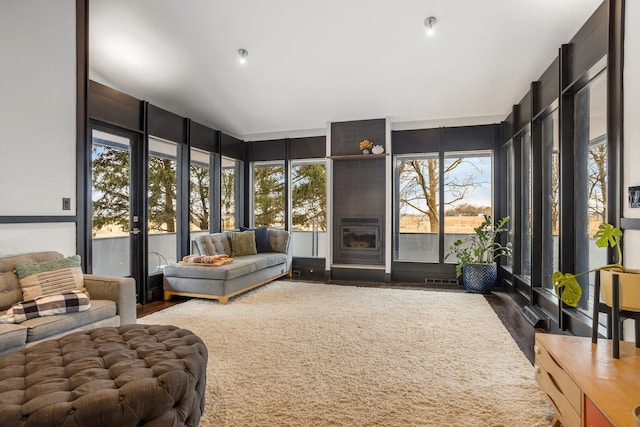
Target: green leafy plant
column 566, row 284
column 481, row 247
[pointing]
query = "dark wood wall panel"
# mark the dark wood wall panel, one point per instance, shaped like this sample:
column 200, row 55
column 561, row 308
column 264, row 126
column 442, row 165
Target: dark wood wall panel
column 524, row 113
column 166, row 125
column 548, row 87
column 231, row 147
column 204, row 137
column 508, row 126
column 274, row 149
column 312, row 147
column 464, row 138
column 111, row 106
column 345, row 136
column 589, row 44
column 416, row 141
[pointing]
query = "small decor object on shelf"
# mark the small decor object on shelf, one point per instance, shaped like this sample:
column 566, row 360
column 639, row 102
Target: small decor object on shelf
column 365, row 146
column 377, row 149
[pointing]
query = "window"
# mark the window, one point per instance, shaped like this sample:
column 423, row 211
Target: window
column 467, row 178
column 526, row 217
column 467, row 194
column 590, row 190
column 510, row 195
column 199, row 193
column 268, row 195
column 161, row 199
column 230, row 193
column 417, row 207
column 550, row 198
column 309, row 208
column 110, row 203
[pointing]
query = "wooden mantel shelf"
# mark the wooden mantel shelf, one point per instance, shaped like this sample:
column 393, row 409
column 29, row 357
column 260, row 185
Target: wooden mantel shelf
column 358, row 156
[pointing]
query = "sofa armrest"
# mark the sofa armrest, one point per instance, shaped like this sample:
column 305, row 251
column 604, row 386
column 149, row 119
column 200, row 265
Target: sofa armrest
column 121, row 290
column 289, row 254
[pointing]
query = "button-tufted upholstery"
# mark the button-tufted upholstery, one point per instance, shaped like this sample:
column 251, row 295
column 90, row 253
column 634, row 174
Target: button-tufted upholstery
column 131, row 375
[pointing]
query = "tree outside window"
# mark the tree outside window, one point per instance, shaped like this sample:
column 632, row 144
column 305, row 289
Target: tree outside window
column 309, row 208
column 467, row 189
column 229, row 193
column 268, row 195
column 590, row 175
column 199, row 191
column 550, row 198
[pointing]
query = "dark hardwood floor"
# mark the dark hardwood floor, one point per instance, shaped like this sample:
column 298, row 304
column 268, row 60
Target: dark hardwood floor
column 510, row 313
column 506, row 309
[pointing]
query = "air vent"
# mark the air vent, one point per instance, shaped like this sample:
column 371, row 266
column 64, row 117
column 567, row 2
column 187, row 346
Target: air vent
column 438, row 281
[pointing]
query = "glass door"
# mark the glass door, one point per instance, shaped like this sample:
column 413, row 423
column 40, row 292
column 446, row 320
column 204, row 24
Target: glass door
column 162, row 207
column 115, row 223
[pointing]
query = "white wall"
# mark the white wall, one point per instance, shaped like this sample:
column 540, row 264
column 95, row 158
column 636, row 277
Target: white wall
column 37, row 121
column 631, row 126
column 631, row 177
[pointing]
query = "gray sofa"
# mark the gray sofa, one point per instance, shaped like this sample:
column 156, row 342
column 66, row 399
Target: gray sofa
column 113, row 303
column 228, row 280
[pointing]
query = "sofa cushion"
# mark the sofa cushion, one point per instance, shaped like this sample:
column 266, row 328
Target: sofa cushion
column 213, row 244
column 50, row 277
column 243, row 243
column 241, row 266
column 12, row 336
column 279, row 240
column 262, row 239
column 47, row 305
column 10, row 291
column 43, row 327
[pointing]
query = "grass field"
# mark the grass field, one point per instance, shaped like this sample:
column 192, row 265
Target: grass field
column 452, row 224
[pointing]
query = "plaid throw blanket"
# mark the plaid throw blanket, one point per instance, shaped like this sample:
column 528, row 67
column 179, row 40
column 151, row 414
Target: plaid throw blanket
column 47, row 305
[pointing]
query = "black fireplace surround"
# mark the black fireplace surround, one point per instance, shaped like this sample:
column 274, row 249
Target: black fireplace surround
column 359, row 241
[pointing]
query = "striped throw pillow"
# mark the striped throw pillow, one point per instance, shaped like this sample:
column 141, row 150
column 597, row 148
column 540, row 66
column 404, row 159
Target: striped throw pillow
column 50, row 277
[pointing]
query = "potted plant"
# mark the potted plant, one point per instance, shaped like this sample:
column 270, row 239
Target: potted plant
column 566, row 284
column 365, row 146
column 477, row 255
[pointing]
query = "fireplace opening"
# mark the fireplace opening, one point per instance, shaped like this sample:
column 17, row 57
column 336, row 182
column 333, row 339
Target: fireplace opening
column 359, row 237
column 359, row 241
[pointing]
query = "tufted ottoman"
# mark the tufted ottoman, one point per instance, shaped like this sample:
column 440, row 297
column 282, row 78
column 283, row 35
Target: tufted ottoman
column 130, row 375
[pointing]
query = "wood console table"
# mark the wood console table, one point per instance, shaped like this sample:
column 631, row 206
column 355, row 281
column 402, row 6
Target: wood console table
column 585, row 384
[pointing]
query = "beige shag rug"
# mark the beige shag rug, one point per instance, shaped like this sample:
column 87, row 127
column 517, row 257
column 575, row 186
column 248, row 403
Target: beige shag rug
column 304, row 354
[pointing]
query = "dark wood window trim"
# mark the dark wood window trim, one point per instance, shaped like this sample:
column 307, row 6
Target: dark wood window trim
column 585, row 48
column 40, row 219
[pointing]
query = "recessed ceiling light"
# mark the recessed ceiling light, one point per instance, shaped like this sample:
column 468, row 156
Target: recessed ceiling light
column 242, row 53
column 429, row 23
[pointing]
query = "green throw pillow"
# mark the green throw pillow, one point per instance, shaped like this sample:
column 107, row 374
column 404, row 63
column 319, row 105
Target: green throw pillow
column 243, row 243
column 50, row 277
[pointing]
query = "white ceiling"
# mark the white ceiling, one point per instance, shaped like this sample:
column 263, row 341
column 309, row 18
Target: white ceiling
column 314, row 62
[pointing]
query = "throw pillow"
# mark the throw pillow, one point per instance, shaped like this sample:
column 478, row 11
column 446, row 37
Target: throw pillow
column 262, row 239
column 242, row 243
column 47, row 305
column 50, row 277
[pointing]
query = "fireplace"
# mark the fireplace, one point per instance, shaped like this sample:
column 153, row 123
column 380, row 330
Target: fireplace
column 359, row 241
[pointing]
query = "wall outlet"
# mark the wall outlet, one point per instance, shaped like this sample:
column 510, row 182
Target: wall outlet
column 66, row 204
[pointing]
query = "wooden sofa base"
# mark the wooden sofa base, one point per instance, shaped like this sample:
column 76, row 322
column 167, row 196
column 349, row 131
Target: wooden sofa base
column 224, row 299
